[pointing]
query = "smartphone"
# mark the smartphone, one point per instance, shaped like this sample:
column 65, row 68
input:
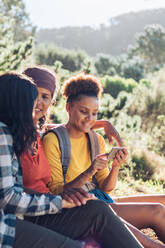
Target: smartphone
column 114, row 150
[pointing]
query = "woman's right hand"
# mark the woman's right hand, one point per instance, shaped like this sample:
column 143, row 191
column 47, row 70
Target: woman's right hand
column 99, row 163
column 75, row 197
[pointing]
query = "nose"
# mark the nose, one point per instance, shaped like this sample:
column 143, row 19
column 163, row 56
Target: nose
column 90, row 117
column 39, row 100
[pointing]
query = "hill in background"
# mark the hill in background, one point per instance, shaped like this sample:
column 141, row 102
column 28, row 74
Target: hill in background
column 111, row 39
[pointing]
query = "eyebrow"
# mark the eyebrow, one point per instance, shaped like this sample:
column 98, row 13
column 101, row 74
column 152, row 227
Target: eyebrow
column 81, row 106
column 46, row 94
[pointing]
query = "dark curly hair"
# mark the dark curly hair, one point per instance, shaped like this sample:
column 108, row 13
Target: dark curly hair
column 81, row 84
column 17, row 96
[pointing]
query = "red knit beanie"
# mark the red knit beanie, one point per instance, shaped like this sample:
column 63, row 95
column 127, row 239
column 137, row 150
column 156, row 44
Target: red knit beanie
column 42, row 77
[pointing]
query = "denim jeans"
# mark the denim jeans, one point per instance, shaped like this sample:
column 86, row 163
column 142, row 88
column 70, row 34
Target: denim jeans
column 29, row 235
column 95, row 219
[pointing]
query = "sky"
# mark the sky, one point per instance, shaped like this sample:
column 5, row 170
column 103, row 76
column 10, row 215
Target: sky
column 61, row 13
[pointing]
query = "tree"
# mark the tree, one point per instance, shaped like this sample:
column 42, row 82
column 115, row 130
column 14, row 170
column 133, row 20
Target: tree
column 15, row 10
column 13, row 54
column 150, row 47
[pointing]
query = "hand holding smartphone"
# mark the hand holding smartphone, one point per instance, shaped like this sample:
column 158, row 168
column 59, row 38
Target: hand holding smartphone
column 111, row 155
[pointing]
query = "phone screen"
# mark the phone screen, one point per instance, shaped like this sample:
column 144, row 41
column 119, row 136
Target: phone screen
column 113, row 152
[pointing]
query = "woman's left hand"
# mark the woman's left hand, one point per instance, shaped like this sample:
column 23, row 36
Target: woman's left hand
column 120, row 158
column 112, row 133
column 76, row 196
column 109, row 130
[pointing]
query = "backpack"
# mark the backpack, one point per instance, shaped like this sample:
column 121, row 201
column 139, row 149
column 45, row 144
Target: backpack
column 65, row 146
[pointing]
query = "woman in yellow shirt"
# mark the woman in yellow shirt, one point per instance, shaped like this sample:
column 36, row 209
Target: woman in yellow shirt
column 82, row 93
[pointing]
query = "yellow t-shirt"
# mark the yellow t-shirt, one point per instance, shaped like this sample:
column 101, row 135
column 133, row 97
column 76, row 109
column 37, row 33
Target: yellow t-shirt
column 80, row 160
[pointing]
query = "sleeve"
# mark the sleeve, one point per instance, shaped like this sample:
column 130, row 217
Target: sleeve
column 53, row 154
column 102, row 174
column 12, row 198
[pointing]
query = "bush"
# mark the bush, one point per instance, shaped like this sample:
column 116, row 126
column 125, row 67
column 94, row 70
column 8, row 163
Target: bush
column 114, row 85
column 145, row 82
column 148, row 165
column 106, row 64
column 143, row 169
column 71, row 60
column 132, row 68
column 58, row 113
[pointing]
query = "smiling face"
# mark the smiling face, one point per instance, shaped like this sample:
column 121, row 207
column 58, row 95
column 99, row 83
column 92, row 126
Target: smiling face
column 43, row 102
column 82, row 114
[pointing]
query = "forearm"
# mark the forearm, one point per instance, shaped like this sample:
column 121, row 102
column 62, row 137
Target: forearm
column 110, row 181
column 99, row 124
column 109, row 130
column 32, row 205
column 79, row 181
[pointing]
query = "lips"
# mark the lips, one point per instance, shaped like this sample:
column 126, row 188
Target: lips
column 87, row 126
column 37, row 110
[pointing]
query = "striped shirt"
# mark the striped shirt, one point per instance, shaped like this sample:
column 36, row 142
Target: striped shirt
column 13, row 201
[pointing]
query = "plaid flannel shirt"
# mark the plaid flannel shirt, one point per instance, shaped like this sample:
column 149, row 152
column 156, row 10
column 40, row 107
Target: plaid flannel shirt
column 13, row 201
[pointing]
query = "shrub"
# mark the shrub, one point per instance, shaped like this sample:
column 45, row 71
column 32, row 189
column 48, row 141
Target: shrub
column 132, row 68
column 143, row 168
column 114, row 85
column 148, row 165
column 58, row 113
column 71, row 60
column 105, row 64
column 145, row 82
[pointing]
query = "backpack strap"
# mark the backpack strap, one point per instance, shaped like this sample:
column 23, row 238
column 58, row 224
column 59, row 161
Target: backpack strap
column 65, row 146
column 94, row 148
column 93, row 144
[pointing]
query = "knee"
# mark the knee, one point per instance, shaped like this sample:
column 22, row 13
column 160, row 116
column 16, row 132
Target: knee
column 99, row 207
column 96, row 205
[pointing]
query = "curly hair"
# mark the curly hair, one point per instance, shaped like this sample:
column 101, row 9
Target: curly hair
column 81, row 84
column 17, row 96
